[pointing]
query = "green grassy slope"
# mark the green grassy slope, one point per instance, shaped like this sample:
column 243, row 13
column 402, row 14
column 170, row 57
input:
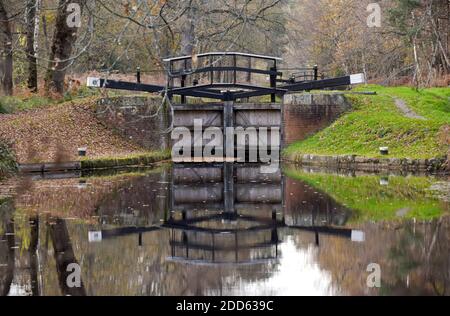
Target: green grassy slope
column 375, row 121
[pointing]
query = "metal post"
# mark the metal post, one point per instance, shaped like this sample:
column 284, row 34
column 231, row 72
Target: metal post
column 316, row 72
column 211, row 74
column 183, row 84
column 138, row 74
column 228, row 170
column 187, row 249
column 228, row 189
column 170, row 79
column 186, row 243
column 213, row 248
column 249, row 66
column 236, row 246
column 235, row 65
column 274, row 235
column 172, row 248
column 228, row 122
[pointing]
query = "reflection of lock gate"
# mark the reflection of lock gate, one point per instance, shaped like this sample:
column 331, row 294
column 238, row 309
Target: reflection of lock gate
column 225, row 214
column 229, row 214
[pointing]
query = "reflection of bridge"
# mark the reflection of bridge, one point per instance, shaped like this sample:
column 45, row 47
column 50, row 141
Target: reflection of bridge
column 228, row 214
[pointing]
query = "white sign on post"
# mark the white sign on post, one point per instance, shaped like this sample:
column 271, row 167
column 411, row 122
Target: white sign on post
column 95, row 236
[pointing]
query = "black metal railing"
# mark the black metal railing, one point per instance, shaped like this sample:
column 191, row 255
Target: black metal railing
column 201, row 75
column 229, row 76
column 302, row 75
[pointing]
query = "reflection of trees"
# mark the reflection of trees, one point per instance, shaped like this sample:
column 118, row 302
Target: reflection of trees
column 80, row 200
column 413, row 261
column 438, row 273
column 34, row 264
column 413, row 257
column 64, row 255
column 403, row 260
column 121, row 196
column 7, row 247
column 421, row 258
column 139, row 201
column 7, row 251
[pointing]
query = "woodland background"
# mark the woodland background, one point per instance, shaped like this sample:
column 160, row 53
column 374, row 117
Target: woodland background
column 40, row 53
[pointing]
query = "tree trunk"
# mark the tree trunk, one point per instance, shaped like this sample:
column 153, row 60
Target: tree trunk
column 6, row 55
column 417, row 72
column 63, row 41
column 188, row 32
column 32, row 18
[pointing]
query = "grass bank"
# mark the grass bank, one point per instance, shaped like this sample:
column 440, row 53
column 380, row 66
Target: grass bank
column 402, row 197
column 141, row 159
column 29, row 101
column 376, row 121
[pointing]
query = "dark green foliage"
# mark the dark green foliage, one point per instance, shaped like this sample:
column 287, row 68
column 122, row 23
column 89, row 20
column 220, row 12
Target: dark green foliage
column 8, row 164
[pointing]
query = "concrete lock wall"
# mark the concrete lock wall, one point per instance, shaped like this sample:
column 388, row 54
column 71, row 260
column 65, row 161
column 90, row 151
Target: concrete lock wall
column 305, row 114
column 138, row 118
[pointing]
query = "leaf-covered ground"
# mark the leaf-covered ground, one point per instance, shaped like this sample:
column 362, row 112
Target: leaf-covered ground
column 55, row 132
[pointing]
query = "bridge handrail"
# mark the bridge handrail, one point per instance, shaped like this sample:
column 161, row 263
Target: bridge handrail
column 170, row 59
column 177, row 74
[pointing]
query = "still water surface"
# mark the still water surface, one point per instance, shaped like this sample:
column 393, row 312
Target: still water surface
column 225, row 230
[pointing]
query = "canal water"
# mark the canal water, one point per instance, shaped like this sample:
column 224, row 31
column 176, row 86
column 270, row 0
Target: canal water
column 225, row 230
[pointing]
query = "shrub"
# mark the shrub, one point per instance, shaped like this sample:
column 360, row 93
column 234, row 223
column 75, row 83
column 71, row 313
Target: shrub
column 8, row 164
